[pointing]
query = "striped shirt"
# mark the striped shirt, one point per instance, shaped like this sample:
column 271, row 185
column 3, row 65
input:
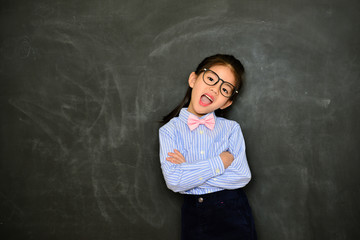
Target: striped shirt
column 203, row 172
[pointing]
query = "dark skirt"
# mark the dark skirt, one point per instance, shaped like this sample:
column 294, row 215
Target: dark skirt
column 223, row 215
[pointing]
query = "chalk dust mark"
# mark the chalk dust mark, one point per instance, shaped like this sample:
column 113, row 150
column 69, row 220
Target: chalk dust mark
column 43, row 117
column 205, row 28
column 10, row 210
column 324, row 102
column 119, row 188
column 20, row 47
column 129, row 195
column 98, row 194
column 102, row 109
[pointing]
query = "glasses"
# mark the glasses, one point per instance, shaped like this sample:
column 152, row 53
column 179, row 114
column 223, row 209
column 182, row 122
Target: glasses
column 211, row 79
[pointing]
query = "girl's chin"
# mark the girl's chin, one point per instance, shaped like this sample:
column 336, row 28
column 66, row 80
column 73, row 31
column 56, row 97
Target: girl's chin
column 201, row 111
column 196, row 112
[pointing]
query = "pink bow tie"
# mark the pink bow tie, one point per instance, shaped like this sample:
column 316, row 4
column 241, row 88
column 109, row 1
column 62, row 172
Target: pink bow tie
column 194, row 122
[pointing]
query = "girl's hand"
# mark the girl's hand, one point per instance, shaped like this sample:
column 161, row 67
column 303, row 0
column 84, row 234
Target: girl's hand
column 175, row 157
column 227, row 158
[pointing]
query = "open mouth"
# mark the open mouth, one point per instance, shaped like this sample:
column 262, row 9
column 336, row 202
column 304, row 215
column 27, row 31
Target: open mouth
column 206, row 100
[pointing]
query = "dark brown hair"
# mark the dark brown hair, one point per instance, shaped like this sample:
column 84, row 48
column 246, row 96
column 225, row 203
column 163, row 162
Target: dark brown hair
column 218, row 59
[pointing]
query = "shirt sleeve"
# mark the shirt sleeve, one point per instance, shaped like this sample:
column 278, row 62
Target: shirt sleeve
column 185, row 176
column 238, row 174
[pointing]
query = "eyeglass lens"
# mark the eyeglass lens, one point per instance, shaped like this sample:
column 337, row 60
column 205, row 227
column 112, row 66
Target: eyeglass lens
column 210, row 78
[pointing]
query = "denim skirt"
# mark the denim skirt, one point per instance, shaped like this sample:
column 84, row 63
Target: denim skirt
column 223, row 215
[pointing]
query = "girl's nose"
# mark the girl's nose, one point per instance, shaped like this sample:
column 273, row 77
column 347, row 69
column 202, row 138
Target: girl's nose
column 216, row 88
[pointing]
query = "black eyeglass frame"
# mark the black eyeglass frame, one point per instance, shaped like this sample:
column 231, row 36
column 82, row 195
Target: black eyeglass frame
column 235, row 91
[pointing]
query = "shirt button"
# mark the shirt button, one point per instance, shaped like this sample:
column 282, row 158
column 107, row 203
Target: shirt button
column 217, row 171
column 201, row 132
column 202, row 152
column 215, row 179
column 201, row 178
column 200, row 199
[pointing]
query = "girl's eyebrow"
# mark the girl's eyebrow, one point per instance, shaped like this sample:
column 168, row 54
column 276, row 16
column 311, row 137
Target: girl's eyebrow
column 219, row 77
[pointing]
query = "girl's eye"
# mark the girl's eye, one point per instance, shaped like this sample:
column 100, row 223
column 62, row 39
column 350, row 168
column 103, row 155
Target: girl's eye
column 210, row 78
column 225, row 90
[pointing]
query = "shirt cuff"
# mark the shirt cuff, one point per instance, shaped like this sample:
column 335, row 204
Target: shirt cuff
column 217, row 166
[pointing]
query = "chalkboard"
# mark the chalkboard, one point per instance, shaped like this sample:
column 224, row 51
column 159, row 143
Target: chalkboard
column 84, row 85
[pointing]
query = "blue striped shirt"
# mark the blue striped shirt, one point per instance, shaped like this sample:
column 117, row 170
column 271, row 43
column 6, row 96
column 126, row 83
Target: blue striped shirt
column 203, row 172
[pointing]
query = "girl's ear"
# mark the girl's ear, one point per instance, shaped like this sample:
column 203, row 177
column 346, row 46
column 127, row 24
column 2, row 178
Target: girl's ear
column 227, row 104
column 192, row 79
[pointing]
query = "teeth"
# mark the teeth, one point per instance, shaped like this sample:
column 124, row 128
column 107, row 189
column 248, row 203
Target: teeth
column 208, row 97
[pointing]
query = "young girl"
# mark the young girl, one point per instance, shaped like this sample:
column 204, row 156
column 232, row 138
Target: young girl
column 203, row 155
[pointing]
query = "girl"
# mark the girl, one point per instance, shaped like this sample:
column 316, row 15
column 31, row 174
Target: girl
column 203, row 156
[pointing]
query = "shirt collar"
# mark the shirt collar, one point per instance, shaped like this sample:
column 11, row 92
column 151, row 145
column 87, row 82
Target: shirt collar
column 184, row 115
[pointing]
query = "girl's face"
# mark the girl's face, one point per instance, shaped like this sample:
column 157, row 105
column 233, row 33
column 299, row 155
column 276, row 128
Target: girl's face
column 205, row 98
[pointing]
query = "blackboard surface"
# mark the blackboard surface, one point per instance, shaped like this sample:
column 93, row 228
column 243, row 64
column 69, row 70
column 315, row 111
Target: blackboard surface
column 83, row 85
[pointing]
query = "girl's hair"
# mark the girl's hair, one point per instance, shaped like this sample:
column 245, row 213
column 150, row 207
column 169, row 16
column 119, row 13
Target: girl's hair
column 218, row 59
